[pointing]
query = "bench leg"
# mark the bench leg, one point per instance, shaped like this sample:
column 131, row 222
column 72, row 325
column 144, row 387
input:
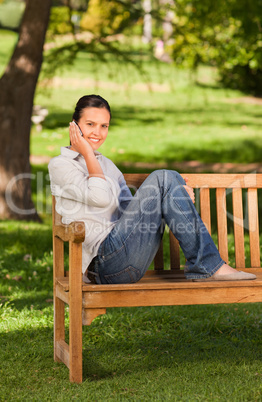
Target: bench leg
column 59, row 305
column 75, row 312
column 75, row 352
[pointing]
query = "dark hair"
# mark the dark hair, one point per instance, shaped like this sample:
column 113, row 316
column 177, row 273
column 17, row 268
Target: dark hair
column 90, row 101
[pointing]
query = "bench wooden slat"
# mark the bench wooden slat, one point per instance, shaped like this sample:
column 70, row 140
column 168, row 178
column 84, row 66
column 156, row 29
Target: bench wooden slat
column 165, row 280
column 205, row 208
column 62, row 350
column 170, row 297
column 213, row 180
column 159, row 258
column 135, row 180
column 238, row 227
column 227, row 180
column 174, row 252
column 253, row 227
column 222, row 223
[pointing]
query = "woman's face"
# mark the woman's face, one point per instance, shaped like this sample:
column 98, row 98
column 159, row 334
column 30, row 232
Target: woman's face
column 94, row 123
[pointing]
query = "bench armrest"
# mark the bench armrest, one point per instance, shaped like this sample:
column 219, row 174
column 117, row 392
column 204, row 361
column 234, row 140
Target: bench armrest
column 74, row 232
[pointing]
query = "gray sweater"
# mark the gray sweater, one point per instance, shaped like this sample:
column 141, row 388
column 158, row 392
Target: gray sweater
column 95, row 201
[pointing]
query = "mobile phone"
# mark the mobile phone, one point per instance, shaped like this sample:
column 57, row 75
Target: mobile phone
column 78, row 127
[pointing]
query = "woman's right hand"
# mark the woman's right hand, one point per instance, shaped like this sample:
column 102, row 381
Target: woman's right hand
column 78, row 143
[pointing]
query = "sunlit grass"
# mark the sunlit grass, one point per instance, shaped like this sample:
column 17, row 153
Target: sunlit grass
column 7, row 43
column 183, row 123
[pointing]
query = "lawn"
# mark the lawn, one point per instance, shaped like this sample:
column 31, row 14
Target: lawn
column 182, row 353
column 165, row 126
column 169, row 116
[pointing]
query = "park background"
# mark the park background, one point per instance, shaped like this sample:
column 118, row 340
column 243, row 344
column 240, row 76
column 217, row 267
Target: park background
column 185, row 99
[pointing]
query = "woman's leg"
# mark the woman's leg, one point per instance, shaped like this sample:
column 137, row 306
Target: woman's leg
column 128, row 250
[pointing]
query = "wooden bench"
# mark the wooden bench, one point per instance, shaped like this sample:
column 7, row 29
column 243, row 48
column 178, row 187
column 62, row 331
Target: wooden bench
column 159, row 287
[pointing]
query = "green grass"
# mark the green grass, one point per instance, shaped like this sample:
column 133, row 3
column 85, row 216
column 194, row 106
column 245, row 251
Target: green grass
column 162, row 128
column 175, row 121
column 7, row 40
column 182, row 353
column 11, row 13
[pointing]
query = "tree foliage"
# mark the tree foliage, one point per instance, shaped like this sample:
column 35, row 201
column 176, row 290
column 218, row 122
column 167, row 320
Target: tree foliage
column 227, row 34
column 105, row 17
column 59, row 22
column 98, row 29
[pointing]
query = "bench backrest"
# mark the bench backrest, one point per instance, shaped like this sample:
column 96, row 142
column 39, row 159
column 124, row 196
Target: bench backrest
column 244, row 189
column 246, row 192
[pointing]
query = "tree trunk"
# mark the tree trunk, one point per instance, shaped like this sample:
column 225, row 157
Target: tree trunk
column 17, row 88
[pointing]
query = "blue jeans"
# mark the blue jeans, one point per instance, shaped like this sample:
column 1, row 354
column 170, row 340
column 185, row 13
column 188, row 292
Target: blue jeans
column 127, row 252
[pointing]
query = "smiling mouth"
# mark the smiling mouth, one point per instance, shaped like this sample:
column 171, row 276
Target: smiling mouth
column 95, row 140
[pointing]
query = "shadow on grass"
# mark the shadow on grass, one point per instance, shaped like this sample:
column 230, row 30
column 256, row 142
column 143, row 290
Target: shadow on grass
column 218, row 116
column 145, row 339
column 220, row 112
column 246, row 150
column 26, row 264
column 26, row 240
column 57, row 119
column 41, row 192
column 138, row 341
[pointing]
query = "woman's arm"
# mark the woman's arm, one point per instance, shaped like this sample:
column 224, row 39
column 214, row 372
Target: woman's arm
column 70, row 182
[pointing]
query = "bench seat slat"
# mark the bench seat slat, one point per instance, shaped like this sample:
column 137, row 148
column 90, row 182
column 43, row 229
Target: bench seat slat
column 167, row 297
column 171, row 296
column 166, row 280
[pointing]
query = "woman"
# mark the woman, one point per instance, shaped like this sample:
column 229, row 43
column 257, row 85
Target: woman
column 123, row 232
